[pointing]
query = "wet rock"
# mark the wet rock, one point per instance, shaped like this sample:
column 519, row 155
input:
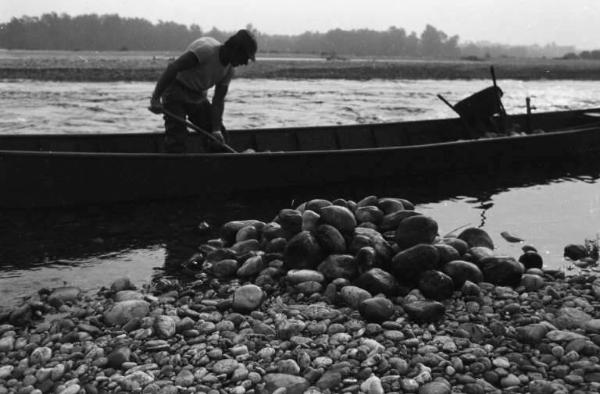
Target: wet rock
column 477, row 254
column 164, row 326
column 392, row 220
column 425, row 311
column 476, row 237
column 372, row 385
column 230, row 229
column 447, row 253
column 118, row 356
column 122, row 284
column 408, row 265
column 502, row 271
column 575, row 251
column 225, row 268
column 390, row 205
column 419, row 229
column 339, row 217
column 40, row 355
column 367, row 237
column 310, row 220
column 128, row 295
column 461, row 271
column 532, row 282
column 247, row 298
column 302, row 251
column 353, row 295
column 316, row 204
column 330, row 239
column 246, row 233
column 124, row 311
column 376, row 309
column 292, row 384
column 435, row 388
column 338, row 266
column 436, row 285
column 252, row 266
column 63, row 295
column 532, row 333
column 290, row 221
column 569, row 317
column 369, row 213
column 243, row 247
column 377, row 281
column 458, row 244
column 304, row 275
column 7, row 344
column 531, row 260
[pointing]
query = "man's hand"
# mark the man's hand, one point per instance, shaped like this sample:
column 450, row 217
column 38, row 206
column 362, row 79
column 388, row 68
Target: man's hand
column 155, row 105
column 219, row 136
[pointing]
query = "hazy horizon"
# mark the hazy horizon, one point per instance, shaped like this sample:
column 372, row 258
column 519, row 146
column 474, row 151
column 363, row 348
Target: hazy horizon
column 510, row 22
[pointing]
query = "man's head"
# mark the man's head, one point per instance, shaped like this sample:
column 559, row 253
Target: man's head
column 242, row 47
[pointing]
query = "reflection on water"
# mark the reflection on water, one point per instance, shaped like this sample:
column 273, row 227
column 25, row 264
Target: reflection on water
column 549, row 206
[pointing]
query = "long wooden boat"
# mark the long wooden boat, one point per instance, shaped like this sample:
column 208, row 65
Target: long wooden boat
column 65, row 169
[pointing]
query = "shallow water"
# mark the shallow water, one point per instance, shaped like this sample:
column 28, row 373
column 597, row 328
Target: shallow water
column 550, row 206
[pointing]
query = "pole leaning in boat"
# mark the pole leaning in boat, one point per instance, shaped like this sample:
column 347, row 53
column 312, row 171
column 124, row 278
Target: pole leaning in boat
column 200, row 130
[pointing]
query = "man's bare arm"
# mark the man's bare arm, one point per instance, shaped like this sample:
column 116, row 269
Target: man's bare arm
column 218, row 106
column 183, row 62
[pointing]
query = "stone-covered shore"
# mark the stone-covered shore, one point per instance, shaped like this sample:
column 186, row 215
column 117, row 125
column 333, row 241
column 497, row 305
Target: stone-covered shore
column 330, row 297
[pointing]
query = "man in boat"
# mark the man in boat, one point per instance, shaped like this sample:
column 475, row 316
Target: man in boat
column 183, row 86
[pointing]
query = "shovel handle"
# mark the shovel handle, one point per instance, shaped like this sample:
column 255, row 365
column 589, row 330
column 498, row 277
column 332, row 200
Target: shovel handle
column 200, row 130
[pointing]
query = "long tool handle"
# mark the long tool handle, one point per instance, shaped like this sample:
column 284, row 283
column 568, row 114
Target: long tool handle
column 200, row 130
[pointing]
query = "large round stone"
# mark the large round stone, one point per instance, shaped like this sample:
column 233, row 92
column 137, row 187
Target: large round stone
column 339, row 217
column 436, row 285
column 531, row 259
column 408, row 265
column 461, row 271
column 419, row 229
column 425, row 311
column 302, row 251
column 338, row 266
column 290, row 221
column 476, row 237
column 392, row 220
column 377, row 281
column 368, row 213
column 316, row 205
column 376, row 309
column 330, row 239
column 502, row 271
column 390, row 205
column 247, row 298
column 354, row 295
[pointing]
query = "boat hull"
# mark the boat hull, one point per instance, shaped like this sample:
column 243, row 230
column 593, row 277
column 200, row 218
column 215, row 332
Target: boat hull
column 50, row 178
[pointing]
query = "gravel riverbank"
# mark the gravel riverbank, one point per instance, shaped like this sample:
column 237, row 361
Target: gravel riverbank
column 344, row 297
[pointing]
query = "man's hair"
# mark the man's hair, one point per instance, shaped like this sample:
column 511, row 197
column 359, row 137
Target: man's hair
column 244, row 40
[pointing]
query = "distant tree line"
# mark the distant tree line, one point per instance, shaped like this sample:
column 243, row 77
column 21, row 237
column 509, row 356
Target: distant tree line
column 593, row 55
column 112, row 32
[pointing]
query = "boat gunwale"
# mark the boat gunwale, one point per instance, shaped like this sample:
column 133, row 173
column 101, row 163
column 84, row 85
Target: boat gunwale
column 171, row 156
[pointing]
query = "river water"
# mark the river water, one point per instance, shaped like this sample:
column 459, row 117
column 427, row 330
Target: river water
column 549, row 207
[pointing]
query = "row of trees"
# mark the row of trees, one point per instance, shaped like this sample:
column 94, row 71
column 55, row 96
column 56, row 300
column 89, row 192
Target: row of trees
column 112, row 32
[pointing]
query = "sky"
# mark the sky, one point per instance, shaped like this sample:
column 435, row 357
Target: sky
column 514, row 22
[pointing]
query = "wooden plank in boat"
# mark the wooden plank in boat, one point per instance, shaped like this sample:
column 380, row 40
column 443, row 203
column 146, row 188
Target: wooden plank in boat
column 309, row 139
column 359, row 138
column 275, row 141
